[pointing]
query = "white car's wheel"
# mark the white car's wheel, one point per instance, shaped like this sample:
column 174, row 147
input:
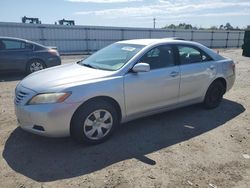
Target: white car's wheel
column 98, row 124
column 94, row 122
column 214, row 95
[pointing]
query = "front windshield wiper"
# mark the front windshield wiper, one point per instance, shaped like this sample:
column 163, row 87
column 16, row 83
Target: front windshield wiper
column 88, row 65
column 91, row 66
column 94, row 67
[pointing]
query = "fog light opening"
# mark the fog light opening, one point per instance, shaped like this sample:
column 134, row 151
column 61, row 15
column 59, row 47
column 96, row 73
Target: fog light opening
column 38, row 128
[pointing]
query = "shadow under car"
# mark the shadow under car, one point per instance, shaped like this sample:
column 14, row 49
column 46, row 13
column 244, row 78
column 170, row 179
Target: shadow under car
column 49, row 159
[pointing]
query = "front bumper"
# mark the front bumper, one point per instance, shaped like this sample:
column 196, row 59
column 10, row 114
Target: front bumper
column 53, row 118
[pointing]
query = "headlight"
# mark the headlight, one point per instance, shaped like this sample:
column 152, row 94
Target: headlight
column 49, row 98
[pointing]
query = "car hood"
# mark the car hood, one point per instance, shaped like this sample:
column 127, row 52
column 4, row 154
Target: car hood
column 61, row 75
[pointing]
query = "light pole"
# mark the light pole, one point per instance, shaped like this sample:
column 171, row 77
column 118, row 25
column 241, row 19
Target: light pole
column 154, row 22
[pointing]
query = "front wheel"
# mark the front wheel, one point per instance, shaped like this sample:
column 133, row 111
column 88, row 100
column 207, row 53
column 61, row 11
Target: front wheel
column 214, row 95
column 94, row 122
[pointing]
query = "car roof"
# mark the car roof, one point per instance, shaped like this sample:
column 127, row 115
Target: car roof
column 147, row 42
column 14, row 38
column 174, row 40
column 23, row 40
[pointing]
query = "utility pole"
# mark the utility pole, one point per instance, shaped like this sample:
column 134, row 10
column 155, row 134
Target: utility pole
column 154, row 22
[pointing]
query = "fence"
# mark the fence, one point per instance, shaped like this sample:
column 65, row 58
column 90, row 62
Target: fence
column 92, row 38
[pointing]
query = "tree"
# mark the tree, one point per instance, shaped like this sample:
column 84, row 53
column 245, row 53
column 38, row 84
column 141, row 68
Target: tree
column 221, row 26
column 228, row 26
column 213, row 28
column 172, row 26
column 188, row 26
column 180, row 26
column 237, row 28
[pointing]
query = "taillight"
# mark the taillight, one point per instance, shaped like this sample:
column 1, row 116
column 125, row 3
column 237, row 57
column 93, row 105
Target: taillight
column 54, row 52
column 233, row 67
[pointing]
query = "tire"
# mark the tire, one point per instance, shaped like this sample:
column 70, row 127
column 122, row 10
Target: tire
column 214, row 95
column 91, row 119
column 35, row 65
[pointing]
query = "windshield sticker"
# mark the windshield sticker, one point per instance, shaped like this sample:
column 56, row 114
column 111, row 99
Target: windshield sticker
column 128, row 48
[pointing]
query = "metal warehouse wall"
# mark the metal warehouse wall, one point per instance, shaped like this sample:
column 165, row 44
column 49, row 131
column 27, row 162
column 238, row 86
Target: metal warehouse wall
column 92, row 38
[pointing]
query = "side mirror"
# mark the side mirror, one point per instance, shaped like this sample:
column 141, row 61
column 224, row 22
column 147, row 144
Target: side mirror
column 141, row 67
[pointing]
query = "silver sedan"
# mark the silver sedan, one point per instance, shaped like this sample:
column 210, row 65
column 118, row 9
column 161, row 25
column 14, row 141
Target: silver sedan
column 123, row 81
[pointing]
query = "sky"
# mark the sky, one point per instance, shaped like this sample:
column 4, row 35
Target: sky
column 130, row 13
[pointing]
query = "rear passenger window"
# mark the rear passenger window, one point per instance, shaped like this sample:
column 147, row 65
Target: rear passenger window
column 28, row 46
column 37, row 48
column 189, row 55
column 205, row 57
column 159, row 57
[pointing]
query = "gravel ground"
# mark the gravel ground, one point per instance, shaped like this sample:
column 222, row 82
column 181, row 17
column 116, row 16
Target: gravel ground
column 188, row 147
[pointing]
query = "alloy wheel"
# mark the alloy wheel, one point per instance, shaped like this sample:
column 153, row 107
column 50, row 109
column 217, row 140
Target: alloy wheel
column 98, row 124
column 36, row 66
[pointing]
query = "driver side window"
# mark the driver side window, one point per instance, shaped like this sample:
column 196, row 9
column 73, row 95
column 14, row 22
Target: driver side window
column 12, row 45
column 159, row 57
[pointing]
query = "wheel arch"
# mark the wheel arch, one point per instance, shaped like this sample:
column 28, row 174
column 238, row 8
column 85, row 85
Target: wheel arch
column 100, row 98
column 33, row 59
column 223, row 81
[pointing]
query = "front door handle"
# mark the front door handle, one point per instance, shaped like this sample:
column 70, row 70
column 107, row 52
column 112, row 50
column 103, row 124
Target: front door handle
column 212, row 67
column 174, row 74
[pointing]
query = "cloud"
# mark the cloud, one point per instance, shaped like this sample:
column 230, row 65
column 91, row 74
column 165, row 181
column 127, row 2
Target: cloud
column 194, row 15
column 126, row 11
column 166, row 11
column 169, row 8
column 102, row 1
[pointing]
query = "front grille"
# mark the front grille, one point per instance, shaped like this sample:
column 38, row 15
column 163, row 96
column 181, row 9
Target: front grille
column 20, row 96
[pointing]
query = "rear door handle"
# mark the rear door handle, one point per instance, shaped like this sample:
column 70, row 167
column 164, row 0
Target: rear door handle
column 174, row 74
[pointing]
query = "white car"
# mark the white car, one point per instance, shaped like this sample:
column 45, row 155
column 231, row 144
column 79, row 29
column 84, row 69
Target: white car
column 121, row 82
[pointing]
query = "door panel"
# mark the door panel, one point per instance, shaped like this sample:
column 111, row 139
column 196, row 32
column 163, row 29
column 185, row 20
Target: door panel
column 146, row 91
column 1, row 60
column 197, row 69
column 151, row 90
column 194, row 80
column 14, row 60
column 14, row 55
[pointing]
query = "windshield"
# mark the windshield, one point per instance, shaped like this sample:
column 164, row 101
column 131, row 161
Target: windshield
column 112, row 57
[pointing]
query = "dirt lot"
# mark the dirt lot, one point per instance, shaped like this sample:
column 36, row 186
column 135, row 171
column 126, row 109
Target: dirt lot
column 189, row 147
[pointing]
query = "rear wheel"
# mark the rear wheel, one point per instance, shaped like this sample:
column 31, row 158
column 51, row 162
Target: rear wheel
column 94, row 122
column 35, row 65
column 214, row 95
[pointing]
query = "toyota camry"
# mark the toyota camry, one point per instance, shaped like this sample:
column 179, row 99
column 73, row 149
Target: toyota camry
column 121, row 82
